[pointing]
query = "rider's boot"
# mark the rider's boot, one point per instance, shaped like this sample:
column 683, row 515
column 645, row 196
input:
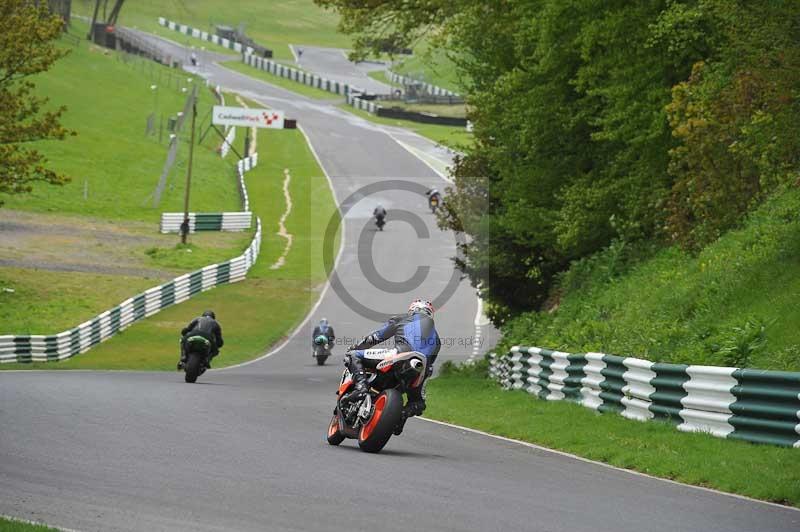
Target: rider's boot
column 182, row 361
column 359, row 379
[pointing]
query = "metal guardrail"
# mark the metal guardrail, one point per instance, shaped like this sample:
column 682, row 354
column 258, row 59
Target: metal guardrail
column 47, row 348
column 365, row 105
column 225, row 146
column 205, row 36
column 299, row 76
column 433, row 90
column 758, row 406
column 207, row 221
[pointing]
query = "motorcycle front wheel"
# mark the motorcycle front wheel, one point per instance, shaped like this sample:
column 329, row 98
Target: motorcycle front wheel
column 334, row 436
column 386, row 415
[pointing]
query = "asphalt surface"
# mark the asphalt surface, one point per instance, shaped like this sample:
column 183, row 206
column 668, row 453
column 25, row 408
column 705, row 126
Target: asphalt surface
column 244, row 449
column 332, row 63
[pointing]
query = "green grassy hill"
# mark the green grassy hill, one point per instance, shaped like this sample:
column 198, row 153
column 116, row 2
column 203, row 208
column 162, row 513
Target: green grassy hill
column 271, row 24
column 733, row 304
column 431, row 67
column 114, row 166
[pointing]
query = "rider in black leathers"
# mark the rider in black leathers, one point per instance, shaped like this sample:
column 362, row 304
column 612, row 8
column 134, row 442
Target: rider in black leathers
column 379, row 213
column 414, row 331
column 207, row 327
column 323, row 328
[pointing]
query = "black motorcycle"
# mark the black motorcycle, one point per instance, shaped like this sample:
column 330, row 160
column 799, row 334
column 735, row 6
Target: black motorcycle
column 373, row 419
column 322, row 349
column 198, row 355
column 380, row 222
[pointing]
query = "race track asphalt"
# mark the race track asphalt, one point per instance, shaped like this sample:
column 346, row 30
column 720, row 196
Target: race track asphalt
column 244, row 449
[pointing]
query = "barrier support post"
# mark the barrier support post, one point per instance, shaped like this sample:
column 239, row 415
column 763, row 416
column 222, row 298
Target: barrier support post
column 185, row 224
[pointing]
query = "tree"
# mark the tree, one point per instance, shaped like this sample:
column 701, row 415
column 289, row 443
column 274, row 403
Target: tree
column 603, row 120
column 737, row 117
column 27, row 47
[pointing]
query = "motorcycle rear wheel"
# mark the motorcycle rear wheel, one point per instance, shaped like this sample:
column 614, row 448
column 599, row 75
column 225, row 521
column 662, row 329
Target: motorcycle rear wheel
column 194, row 366
column 387, row 413
column 321, row 360
column 334, row 436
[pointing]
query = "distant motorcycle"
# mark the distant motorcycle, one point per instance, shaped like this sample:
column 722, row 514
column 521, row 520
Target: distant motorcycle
column 322, row 349
column 434, row 201
column 380, row 222
column 373, row 419
column 198, row 352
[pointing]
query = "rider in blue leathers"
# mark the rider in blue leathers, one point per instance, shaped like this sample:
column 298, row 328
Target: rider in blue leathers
column 414, row 331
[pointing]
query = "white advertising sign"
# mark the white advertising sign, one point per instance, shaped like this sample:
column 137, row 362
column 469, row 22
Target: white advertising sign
column 246, row 117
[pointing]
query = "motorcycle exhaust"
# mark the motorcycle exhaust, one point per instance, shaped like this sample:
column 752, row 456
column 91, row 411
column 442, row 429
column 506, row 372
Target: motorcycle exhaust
column 416, row 364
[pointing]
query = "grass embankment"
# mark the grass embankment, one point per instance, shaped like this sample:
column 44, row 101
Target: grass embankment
column 430, row 66
column 278, row 81
column 466, row 397
column 733, row 304
column 13, row 525
column 115, row 169
column 271, row 24
column 453, row 137
column 261, row 310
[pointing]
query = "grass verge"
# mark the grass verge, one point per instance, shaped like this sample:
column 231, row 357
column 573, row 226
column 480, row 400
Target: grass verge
column 15, row 525
column 261, row 310
column 452, row 137
column 278, row 81
column 464, row 396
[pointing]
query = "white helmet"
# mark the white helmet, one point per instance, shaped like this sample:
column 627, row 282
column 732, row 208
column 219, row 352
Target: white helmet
column 421, row 305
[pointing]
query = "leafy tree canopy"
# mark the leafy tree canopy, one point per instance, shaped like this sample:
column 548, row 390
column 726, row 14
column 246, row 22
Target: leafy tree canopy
column 27, row 47
column 600, row 120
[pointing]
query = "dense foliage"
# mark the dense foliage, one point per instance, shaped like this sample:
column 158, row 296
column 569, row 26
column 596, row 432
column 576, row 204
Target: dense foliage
column 27, row 47
column 732, row 304
column 603, row 121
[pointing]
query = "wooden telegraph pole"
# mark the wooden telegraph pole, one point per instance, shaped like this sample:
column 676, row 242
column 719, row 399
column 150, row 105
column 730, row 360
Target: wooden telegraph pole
column 185, row 224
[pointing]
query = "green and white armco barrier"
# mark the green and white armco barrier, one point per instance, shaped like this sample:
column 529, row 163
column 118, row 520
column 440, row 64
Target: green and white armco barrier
column 284, row 71
column 364, row 105
column 427, row 87
column 46, row 348
column 746, row 404
column 230, row 138
column 55, row 347
column 224, row 221
column 207, row 221
column 205, row 36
